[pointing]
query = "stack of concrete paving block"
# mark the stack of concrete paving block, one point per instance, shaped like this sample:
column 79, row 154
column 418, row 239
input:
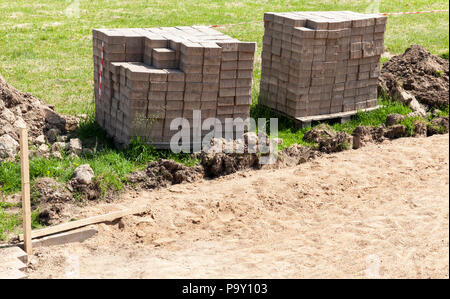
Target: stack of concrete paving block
column 316, row 63
column 152, row 76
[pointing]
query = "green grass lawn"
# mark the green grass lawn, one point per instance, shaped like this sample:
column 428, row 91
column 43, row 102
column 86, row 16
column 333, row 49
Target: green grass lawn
column 48, row 52
column 46, row 49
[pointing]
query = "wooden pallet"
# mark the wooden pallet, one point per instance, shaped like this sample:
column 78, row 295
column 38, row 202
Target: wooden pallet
column 306, row 121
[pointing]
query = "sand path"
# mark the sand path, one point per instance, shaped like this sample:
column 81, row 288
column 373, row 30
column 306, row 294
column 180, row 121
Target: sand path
column 380, row 211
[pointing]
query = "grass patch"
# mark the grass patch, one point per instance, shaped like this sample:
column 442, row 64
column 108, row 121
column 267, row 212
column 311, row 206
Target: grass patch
column 8, row 223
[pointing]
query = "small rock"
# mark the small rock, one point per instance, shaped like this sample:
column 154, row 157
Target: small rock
column 42, row 150
column 76, row 146
column 73, row 156
column 17, row 110
column 8, row 116
column 84, row 174
column 20, row 123
column 59, row 146
column 57, row 155
column 71, row 123
column 393, row 119
column 417, row 108
column 5, row 127
column 8, row 147
column 435, row 112
column 40, row 140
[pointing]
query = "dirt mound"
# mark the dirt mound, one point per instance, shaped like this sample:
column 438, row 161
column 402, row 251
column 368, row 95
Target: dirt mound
column 48, row 190
column 328, row 140
column 420, row 73
column 18, row 110
column 322, row 131
column 51, row 198
column 216, row 165
column 163, row 173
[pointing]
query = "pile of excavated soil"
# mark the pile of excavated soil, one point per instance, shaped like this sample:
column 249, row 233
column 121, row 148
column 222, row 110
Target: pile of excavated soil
column 420, row 73
column 17, row 110
column 215, row 163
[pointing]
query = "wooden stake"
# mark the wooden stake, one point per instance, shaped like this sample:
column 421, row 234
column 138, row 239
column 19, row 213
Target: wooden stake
column 26, row 205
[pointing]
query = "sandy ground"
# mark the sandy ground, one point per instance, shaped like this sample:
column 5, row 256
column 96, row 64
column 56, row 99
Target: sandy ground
column 380, row 211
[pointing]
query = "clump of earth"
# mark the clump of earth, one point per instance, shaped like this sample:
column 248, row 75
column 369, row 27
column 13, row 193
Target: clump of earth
column 327, row 139
column 420, row 74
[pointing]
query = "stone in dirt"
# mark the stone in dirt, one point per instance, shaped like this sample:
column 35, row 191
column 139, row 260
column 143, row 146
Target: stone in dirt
column 83, row 183
column 40, row 140
column 8, row 147
column 42, row 150
column 75, row 146
column 59, row 146
column 83, row 174
column 420, row 74
column 57, row 155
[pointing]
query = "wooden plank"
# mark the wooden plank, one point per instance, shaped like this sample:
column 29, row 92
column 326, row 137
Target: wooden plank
column 74, row 236
column 334, row 115
column 26, row 205
column 84, row 222
column 306, row 121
